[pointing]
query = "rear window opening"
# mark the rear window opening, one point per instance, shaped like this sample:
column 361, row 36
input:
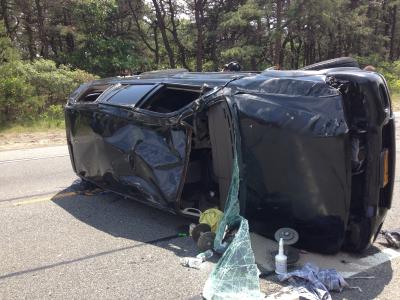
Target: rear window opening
column 170, row 99
column 129, row 94
column 92, row 94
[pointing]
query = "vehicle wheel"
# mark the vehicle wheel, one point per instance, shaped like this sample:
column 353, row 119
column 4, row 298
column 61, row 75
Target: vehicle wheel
column 360, row 236
column 333, row 63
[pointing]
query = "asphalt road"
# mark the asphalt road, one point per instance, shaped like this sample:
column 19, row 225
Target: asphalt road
column 58, row 243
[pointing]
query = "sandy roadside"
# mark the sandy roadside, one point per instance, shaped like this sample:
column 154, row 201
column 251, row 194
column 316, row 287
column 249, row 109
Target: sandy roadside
column 12, row 141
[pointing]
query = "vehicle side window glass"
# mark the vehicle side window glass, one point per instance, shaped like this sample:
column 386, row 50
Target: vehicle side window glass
column 130, row 94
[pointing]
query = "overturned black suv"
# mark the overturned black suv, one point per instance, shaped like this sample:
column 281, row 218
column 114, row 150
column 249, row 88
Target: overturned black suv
column 317, row 146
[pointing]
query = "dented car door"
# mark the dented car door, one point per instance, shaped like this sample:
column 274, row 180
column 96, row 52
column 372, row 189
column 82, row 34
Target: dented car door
column 131, row 151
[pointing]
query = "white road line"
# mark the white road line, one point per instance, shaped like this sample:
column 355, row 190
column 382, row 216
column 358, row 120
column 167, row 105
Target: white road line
column 365, row 263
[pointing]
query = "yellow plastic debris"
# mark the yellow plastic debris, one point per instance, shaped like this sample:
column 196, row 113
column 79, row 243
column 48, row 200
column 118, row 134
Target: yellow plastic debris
column 211, row 217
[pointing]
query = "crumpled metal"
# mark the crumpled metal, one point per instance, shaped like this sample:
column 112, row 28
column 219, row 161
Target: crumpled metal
column 313, row 283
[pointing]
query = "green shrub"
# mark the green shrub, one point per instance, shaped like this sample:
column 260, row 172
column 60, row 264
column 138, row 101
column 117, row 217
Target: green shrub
column 391, row 70
column 17, row 96
column 55, row 83
column 39, row 89
column 54, row 112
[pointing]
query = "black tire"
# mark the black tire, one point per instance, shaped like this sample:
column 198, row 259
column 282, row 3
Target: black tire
column 333, row 63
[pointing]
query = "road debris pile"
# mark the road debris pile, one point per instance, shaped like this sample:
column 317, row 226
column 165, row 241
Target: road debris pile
column 392, row 237
column 196, row 262
column 204, row 232
column 314, row 284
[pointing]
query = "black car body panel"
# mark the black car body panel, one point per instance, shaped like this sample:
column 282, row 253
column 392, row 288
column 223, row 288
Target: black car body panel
column 317, row 147
column 111, row 150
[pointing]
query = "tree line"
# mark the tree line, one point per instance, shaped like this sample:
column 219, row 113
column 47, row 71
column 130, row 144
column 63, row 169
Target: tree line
column 106, row 37
column 48, row 47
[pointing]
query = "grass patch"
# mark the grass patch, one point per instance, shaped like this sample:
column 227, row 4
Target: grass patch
column 40, row 125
